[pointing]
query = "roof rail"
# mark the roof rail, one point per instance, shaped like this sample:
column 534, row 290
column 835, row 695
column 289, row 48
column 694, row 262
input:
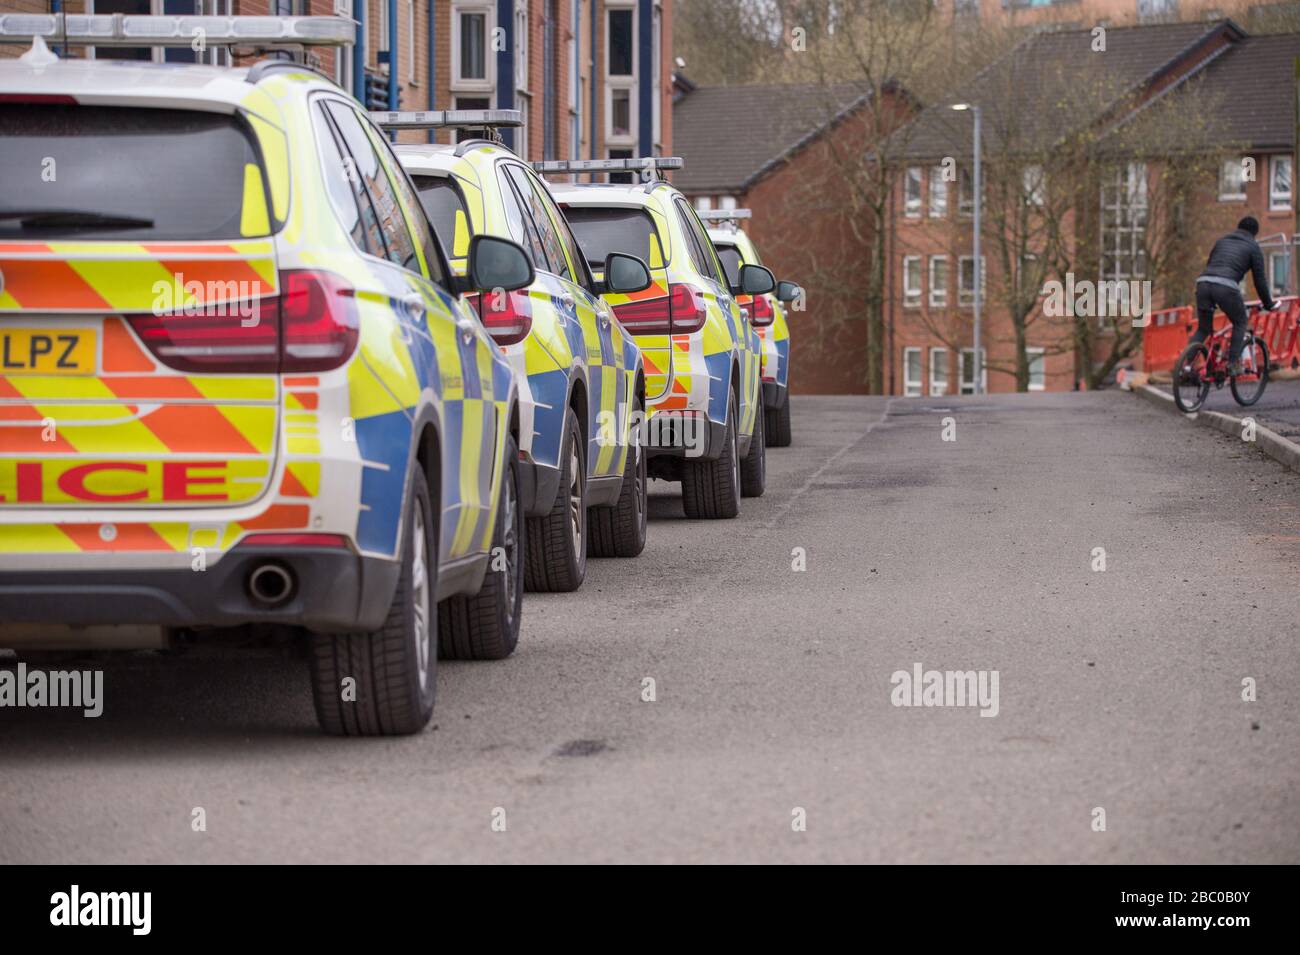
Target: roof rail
column 118, row 30
column 264, row 68
column 647, row 166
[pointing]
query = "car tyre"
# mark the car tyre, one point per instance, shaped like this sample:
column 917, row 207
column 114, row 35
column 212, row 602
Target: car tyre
column 753, row 470
column 382, row 683
column 485, row 625
column 556, row 552
column 778, row 431
column 711, row 489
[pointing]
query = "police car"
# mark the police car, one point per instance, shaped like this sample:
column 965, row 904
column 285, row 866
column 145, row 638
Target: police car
column 582, row 387
column 702, row 354
column 242, row 390
column 766, row 314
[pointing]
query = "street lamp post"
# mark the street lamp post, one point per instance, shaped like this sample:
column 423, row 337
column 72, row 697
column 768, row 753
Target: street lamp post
column 975, row 360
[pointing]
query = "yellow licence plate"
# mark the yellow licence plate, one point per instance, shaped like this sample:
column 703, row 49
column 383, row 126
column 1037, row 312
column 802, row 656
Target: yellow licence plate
column 58, row 351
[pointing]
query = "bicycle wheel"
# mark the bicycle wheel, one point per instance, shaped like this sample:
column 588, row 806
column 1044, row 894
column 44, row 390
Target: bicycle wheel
column 1191, row 383
column 1249, row 388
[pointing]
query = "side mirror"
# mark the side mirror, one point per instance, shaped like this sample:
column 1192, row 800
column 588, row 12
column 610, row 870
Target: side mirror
column 787, row 291
column 624, row 274
column 497, row 263
column 755, row 280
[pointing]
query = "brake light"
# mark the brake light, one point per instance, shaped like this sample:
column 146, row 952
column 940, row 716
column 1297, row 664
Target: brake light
column 508, row 317
column 312, row 325
column 761, row 312
column 680, row 312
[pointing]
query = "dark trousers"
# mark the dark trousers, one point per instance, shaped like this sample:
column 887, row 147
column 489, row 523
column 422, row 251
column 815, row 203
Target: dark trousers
column 1211, row 295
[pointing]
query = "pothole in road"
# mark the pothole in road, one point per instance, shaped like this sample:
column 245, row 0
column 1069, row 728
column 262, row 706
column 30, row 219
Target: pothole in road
column 582, row 747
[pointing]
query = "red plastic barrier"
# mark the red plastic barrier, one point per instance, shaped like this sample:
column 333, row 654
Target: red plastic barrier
column 1165, row 337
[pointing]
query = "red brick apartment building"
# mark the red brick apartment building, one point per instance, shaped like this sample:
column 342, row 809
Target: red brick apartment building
column 807, row 229
column 591, row 77
column 1251, row 81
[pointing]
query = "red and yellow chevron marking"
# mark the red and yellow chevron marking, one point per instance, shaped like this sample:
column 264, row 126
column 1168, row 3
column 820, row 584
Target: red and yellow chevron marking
column 101, row 277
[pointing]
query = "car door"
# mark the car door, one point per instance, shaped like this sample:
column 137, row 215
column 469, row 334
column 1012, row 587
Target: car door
column 445, row 343
column 610, row 387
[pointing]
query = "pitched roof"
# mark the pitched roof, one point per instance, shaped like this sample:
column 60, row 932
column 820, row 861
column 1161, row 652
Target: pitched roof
column 1053, row 83
column 730, row 135
column 1257, row 80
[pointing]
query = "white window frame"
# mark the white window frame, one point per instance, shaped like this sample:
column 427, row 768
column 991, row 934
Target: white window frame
column 938, row 291
column 1041, row 355
column 575, row 80
column 938, row 383
column 628, row 83
column 911, row 296
column 1227, row 181
column 1276, row 287
column 412, row 74
column 1281, row 201
column 967, row 386
column 520, row 51
column 382, row 28
column 1034, row 182
column 965, row 206
column 937, row 207
column 459, row 83
column 912, row 205
column 704, row 203
column 965, row 296
column 912, row 388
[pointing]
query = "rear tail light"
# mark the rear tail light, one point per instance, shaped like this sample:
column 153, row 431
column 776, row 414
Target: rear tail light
column 508, row 316
column 312, row 325
column 680, row 312
column 761, row 312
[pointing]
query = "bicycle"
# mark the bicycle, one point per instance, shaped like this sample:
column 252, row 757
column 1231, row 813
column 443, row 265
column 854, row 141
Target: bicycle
column 1203, row 364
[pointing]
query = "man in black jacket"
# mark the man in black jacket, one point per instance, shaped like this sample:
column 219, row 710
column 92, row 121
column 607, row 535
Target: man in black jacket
column 1219, row 286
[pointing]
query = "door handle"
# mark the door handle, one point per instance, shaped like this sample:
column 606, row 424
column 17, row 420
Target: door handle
column 566, row 299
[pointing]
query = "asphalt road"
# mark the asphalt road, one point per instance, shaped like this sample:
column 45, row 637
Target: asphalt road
column 1118, row 690
column 1279, row 408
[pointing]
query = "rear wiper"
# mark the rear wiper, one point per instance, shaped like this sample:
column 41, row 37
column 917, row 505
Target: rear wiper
column 75, row 218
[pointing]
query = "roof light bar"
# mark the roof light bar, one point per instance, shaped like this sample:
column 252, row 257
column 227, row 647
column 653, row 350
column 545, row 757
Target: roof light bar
column 724, row 215
column 447, row 118
column 643, row 164
column 117, row 29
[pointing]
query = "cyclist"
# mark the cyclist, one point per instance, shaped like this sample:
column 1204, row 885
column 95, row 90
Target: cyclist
column 1219, row 286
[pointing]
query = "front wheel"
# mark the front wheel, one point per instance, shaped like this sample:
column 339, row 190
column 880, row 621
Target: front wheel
column 382, row 683
column 485, row 625
column 1249, row 387
column 620, row 531
column 1191, row 380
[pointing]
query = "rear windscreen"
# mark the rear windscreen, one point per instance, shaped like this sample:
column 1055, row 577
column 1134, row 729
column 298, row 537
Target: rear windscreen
column 108, row 172
column 602, row 231
column 731, row 263
column 441, row 199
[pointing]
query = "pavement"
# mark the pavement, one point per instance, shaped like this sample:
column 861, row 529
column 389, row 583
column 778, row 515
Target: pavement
column 1119, row 690
column 1279, row 409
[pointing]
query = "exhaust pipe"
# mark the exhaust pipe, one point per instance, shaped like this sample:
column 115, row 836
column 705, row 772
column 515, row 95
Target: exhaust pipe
column 270, row 584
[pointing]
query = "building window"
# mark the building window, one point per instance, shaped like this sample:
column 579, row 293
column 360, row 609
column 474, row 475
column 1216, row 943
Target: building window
column 1279, row 273
column 938, row 371
column 938, row 281
column 1232, row 181
column 912, row 372
column 1035, row 185
column 911, row 280
column 1037, row 368
column 1279, row 183
column 1124, row 224
column 382, row 27
column 966, row 280
column 521, row 132
column 620, row 73
column 520, row 40
column 343, row 55
column 412, row 77
column 938, row 193
column 656, row 48
column 912, row 192
column 1150, row 10
column 627, row 178
column 470, row 102
column 471, row 62
column 704, row 203
column 965, row 193
column 726, row 203
column 575, row 83
column 968, row 371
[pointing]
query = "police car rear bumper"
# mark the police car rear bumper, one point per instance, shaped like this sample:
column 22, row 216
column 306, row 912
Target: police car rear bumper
column 685, row 436
column 332, row 590
column 538, row 486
